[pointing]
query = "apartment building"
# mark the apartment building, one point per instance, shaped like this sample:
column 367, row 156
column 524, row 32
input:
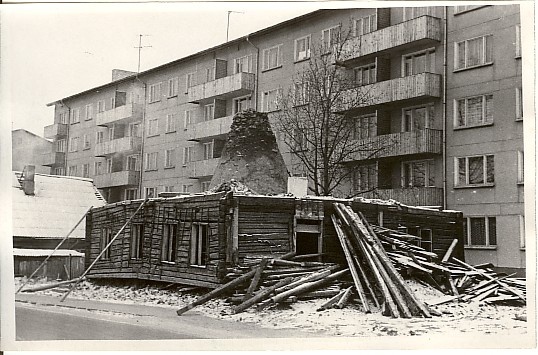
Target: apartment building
column 444, row 91
column 30, row 149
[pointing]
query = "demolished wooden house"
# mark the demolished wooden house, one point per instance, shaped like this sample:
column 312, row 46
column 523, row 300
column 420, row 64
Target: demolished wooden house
column 197, row 239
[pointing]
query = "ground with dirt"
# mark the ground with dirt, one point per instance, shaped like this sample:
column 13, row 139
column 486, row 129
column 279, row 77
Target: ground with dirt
column 457, row 318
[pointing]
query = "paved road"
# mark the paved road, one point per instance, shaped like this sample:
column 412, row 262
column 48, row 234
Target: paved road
column 40, row 317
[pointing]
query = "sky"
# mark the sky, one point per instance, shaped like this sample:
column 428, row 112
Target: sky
column 51, row 51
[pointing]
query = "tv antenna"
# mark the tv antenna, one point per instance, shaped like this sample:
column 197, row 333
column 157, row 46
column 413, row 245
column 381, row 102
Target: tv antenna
column 228, row 23
column 140, row 46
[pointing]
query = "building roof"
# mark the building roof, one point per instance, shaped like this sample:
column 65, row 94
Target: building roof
column 45, row 252
column 57, row 205
column 197, row 54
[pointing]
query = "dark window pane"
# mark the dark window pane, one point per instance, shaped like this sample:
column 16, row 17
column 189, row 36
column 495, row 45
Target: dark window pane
column 461, row 172
column 492, row 224
column 490, row 168
column 478, row 231
column 476, row 170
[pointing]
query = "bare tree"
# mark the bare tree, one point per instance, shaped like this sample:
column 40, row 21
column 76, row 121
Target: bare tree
column 314, row 118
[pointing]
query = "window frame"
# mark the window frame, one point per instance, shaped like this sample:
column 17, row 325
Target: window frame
column 236, row 100
column 169, row 243
column 275, row 101
column 86, row 170
column 155, row 131
column 72, row 170
column 363, row 175
column 484, row 117
column 135, row 194
column 150, row 163
column 429, row 173
column 518, row 42
column 73, row 144
column 431, row 58
column 88, row 112
column 188, row 119
column 484, row 61
column 199, row 245
column 136, row 239
column 466, row 8
column 519, row 104
column 211, row 116
column 358, row 129
column 173, row 87
column 75, row 116
column 101, row 106
column 308, row 46
column 372, row 18
column 520, row 167
column 366, row 67
column 190, row 81
column 104, row 240
column 467, row 243
column 267, row 59
column 155, row 92
column 466, row 184
column 188, row 155
column 61, row 145
column 430, row 11
column 170, row 124
column 428, row 121
column 169, row 158
column 250, row 64
column 327, row 46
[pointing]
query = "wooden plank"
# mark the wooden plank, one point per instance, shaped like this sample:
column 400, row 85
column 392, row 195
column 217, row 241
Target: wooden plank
column 449, row 251
column 256, row 279
column 260, row 295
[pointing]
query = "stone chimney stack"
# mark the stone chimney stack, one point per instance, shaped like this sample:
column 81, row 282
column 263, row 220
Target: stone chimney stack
column 27, row 181
column 118, row 74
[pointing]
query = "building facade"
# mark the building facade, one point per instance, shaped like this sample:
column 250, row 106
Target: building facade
column 445, row 88
column 30, row 149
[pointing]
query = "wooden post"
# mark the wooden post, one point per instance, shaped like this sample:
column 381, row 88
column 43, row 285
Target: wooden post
column 235, row 236
column 449, row 251
column 256, row 279
column 261, row 295
column 104, row 250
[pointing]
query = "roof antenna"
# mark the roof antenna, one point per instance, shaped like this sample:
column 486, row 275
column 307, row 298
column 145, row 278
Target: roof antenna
column 140, row 46
column 228, row 23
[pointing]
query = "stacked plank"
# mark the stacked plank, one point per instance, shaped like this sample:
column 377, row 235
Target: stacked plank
column 269, row 282
column 375, row 276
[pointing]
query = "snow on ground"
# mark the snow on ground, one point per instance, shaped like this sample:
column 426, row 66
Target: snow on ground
column 456, row 318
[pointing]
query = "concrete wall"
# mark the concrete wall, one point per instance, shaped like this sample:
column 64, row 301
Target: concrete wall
column 28, row 149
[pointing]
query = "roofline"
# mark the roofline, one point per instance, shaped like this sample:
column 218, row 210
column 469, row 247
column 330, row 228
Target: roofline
column 59, row 176
column 205, row 51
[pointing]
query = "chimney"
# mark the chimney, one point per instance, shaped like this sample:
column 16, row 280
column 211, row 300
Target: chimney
column 28, row 183
column 118, row 74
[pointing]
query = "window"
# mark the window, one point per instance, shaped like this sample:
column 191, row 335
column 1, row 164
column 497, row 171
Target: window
column 199, row 249
column 168, row 252
column 419, row 62
column 72, row 170
column 205, row 185
column 59, row 171
column 151, row 161
column 153, row 127
column 99, row 137
column 473, row 111
column 169, row 188
column 414, row 12
column 134, row 130
column 131, row 194
column 173, row 86
column 86, row 170
column 133, row 162
column 208, row 150
column 520, row 167
column 61, row 144
column 109, row 166
column 518, row 41
column 63, row 117
column 113, row 102
column 137, row 238
column 417, row 118
column 519, row 104
column 209, row 112
column 88, row 112
column 365, row 178
column 150, row 192
column 86, row 142
column 186, row 188
column 301, row 93
column 271, row 100
column 365, row 25
column 187, row 155
column 243, row 64
column 210, row 74
column 473, row 52
column 111, row 131
column 189, row 118
column 272, row 57
column 191, row 80
column 169, row 158
column 170, row 123
column 522, row 232
column 155, row 92
column 474, row 170
column 464, row 8
column 106, row 238
column 100, row 106
column 302, row 48
column 242, row 104
column 480, row 231
column 418, row 173
column 365, row 75
column 330, row 37
column 73, row 144
column 98, row 167
column 75, row 115
column 365, row 126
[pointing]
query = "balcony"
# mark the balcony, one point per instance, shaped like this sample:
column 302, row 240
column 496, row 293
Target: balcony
column 120, row 114
column 424, row 30
column 120, row 145
column 120, row 178
column 230, row 86
column 202, row 168
column 55, row 130
column 418, row 86
column 426, row 141
column 413, row 196
column 53, row 158
column 211, row 129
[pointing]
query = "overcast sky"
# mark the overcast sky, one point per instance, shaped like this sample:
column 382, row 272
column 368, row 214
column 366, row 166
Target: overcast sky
column 53, row 51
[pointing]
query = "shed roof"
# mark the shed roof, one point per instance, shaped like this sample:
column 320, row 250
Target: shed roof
column 57, row 205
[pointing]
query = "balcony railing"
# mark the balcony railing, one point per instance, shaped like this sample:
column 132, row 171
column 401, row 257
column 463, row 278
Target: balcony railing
column 413, row 196
column 120, row 178
column 229, row 86
column 119, row 114
column 125, row 144
column 53, row 158
column 210, row 129
column 397, row 144
column 203, row 168
column 55, row 130
column 423, row 85
column 419, row 30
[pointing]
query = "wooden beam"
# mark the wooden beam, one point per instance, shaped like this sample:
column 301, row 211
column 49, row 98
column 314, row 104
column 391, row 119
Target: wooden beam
column 235, row 236
column 449, row 251
column 260, row 295
column 256, row 279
